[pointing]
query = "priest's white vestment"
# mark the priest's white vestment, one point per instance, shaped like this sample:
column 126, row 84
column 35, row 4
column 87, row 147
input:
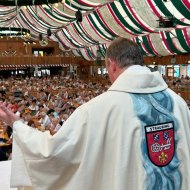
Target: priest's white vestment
column 135, row 136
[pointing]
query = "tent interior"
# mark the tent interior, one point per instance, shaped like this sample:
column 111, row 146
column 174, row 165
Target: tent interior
column 84, row 28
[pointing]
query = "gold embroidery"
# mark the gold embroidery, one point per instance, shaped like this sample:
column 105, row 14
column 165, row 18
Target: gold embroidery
column 163, row 157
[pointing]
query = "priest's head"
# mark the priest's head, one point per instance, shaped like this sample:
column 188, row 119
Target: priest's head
column 121, row 54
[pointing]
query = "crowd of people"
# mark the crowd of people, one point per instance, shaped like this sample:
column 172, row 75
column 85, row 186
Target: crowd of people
column 44, row 99
column 178, row 82
column 46, row 103
column 181, row 85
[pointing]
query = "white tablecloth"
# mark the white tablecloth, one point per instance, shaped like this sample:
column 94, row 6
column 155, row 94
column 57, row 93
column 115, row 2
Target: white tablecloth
column 5, row 172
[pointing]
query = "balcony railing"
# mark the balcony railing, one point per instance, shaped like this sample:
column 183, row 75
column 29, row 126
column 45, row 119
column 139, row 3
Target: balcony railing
column 40, row 60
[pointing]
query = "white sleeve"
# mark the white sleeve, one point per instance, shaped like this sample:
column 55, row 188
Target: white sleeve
column 40, row 156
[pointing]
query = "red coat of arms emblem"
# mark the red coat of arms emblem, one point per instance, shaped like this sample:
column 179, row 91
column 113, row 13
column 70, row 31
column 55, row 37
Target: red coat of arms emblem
column 160, row 143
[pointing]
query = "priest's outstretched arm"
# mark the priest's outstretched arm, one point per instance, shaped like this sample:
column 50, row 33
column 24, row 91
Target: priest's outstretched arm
column 41, row 158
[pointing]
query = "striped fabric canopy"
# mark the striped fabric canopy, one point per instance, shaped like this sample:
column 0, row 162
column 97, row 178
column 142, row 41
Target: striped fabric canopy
column 104, row 20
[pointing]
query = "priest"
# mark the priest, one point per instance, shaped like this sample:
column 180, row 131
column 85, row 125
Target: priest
column 134, row 136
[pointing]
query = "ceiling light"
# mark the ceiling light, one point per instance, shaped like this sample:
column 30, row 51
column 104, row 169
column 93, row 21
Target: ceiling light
column 14, row 32
column 167, row 22
column 48, row 32
column 78, row 16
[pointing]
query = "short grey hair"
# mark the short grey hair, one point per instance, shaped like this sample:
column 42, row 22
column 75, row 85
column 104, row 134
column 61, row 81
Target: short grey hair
column 124, row 52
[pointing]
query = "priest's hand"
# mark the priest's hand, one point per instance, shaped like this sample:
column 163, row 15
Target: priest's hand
column 7, row 116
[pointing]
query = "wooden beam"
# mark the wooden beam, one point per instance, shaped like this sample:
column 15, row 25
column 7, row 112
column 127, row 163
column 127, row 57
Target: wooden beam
column 166, row 60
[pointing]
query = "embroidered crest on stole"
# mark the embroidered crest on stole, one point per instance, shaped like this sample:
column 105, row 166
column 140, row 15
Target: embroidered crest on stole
column 160, row 143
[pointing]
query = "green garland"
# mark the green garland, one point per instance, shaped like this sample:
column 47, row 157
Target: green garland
column 182, row 40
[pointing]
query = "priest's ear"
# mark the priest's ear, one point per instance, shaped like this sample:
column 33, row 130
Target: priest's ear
column 112, row 69
column 112, row 65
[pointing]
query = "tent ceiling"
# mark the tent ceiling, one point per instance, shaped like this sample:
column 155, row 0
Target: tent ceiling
column 103, row 20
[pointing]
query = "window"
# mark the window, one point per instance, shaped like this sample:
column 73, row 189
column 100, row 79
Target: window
column 176, row 71
column 43, row 51
column 104, row 71
column 170, row 72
